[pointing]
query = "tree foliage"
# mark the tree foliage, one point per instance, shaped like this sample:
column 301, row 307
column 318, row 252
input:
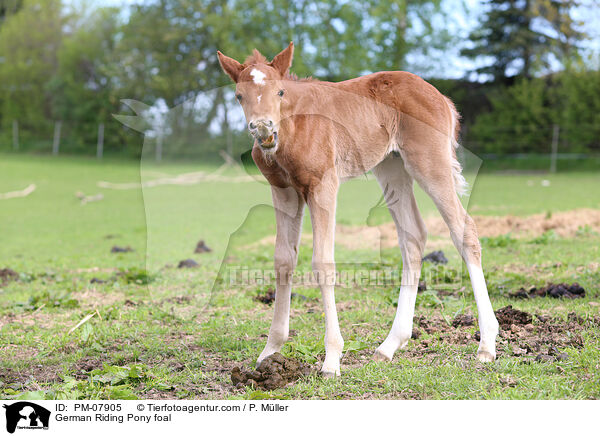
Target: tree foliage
column 29, row 58
column 524, row 37
column 9, row 7
column 523, row 116
column 85, row 85
column 76, row 66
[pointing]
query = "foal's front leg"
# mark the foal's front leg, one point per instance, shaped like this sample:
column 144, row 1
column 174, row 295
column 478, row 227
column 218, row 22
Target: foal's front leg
column 322, row 203
column 289, row 209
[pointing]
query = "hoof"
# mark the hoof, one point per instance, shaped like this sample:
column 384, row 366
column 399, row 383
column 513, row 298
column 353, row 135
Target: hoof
column 263, row 356
column 485, row 356
column 378, row 356
column 329, row 374
column 259, row 362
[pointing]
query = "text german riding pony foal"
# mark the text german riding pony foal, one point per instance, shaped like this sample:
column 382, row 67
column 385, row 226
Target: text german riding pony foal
column 311, row 135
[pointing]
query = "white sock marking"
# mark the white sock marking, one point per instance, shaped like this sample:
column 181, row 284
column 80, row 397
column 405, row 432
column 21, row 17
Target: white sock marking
column 488, row 325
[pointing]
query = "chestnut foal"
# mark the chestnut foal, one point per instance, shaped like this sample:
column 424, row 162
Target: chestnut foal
column 311, row 135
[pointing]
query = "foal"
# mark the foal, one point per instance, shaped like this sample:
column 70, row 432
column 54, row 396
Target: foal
column 311, row 135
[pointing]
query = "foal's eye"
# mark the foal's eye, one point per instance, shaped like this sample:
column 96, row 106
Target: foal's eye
column 239, row 97
column 281, row 92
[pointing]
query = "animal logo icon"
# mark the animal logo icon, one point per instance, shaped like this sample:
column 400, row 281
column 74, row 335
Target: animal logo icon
column 24, row 414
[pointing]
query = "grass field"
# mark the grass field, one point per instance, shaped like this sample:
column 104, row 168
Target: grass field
column 152, row 330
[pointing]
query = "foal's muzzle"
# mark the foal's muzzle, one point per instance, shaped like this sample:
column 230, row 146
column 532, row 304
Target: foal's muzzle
column 264, row 133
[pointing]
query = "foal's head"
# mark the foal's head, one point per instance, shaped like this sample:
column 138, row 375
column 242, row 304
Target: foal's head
column 260, row 90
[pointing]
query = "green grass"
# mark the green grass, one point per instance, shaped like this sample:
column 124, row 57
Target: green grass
column 155, row 331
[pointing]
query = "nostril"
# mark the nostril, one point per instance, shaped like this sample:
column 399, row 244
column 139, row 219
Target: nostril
column 270, row 123
column 251, row 126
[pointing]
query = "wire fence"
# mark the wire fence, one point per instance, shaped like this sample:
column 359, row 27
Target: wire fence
column 112, row 137
column 555, row 149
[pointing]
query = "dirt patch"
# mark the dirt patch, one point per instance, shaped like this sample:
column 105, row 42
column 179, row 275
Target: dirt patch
column 201, row 247
column 188, row 263
column 268, row 297
column 179, row 299
column 94, row 297
column 156, row 394
column 508, row 316
column 561, row 290
column 540, row 338
column 7, row 275
column 367, row 237
column 13, row 352
column 119, row 249
column 544, row 340
column 276, row 371
column 432, row 325
column 34, row 373
column 84, row 366
column 565, row 224
column 463, row 320
column 436, row 257
column 39, row 318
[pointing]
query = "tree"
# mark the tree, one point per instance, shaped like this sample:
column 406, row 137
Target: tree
column 558, row 24
column 578, row 93
column 337, row 40
column 520, row 120
column 9, row 7
column 28, row 59
column 84, row 87
column 522, row 37
column 168, row 46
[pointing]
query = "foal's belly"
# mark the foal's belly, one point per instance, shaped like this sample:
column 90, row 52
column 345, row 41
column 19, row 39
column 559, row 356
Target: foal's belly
column 364, row 150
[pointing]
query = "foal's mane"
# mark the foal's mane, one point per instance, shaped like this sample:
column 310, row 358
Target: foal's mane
column 257, row 58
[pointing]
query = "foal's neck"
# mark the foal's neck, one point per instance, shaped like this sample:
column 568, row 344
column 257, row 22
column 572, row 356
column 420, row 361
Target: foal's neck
column 301, row 97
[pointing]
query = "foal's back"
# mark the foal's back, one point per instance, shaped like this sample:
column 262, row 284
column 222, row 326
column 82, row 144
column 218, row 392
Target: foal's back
column 412, row 97
column 379, row 113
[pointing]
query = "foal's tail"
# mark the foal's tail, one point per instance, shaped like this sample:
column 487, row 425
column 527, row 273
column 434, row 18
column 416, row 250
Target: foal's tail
column 460, row 184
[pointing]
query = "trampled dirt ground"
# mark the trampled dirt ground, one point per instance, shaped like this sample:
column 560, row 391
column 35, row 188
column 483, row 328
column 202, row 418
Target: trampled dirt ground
column 565, row 224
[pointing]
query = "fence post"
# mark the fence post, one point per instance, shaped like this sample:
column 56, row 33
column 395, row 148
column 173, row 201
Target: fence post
column 555, row 133
column 100, row 148
column 56, row 142
column 159, row 146
column 228, row 144
column 15, row 132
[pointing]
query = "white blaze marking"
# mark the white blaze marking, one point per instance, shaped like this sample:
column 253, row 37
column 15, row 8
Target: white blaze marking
column 259, row 97
column 258, row 76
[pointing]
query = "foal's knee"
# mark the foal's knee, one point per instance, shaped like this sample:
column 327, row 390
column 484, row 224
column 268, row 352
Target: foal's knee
column 412, row 249
column 470, row 248
column 284, row 266
column 324, row 272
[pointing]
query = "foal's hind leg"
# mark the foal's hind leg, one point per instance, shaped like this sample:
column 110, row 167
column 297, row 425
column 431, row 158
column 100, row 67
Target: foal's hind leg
column 431, row 166
column 397, row 185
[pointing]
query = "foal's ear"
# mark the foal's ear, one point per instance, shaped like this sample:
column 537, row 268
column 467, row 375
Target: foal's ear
column 232, row 67
column 283, row 61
